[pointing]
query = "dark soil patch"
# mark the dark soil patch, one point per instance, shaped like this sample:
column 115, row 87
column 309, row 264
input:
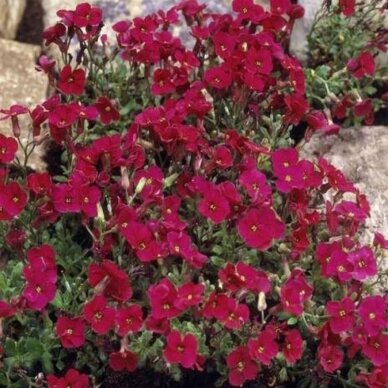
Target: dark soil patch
column 31, row 26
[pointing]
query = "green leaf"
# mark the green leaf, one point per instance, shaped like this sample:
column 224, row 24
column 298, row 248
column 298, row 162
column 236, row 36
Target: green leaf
column 10, row 347
column 292, row 321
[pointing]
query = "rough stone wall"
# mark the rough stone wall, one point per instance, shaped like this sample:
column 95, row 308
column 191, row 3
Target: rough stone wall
column 11, row 12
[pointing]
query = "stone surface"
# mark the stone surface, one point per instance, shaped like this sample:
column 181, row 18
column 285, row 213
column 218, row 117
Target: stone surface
column 11, row 13
column 362, row 156
column 302, row 27
column 20, row 84
column 361, row 153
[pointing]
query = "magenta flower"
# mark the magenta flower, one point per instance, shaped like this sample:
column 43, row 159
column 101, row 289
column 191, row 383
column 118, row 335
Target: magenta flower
column 12, row 200
column 107, row 111
column 72, row 379
column 241, row 367
column 190, row 294
column 376, row 349
column 295, row 292
column 214, row 206
column 162, row 297
column 100, row 317
column 255, row 183
column 372, row 312
column 341, row 315
column 66, row 198
column 86, row 15
column 364, row 263
column 8, row 148
column 259, row 227
column 129, row 319
column 123, row 360
column 39, row 291
column 263, row 348
column 363, row 65
column 218, row 77
column 293, row 346
column 112, row 280
column 330, row 357
column 71, row 331
column 72, row 81
column 181, row 349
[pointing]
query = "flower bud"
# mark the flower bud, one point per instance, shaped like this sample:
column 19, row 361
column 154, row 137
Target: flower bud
column 140, row 185
column 124, row 178
column 261, row 302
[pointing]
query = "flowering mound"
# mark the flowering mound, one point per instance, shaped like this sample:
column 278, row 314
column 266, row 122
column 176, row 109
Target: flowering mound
column 185, row 231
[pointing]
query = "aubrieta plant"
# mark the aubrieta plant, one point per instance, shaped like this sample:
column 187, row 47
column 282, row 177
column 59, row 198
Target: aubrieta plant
column 184, row 232
column 346, row 71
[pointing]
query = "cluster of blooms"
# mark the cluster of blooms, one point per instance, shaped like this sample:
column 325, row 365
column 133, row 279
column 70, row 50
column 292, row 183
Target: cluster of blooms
column 178, row 186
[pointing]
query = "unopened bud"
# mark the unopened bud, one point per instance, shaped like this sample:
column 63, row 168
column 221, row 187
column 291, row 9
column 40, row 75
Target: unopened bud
column 140, row 185
column 168, row 182
column 261, row 303
column 124, row 178
column 100, row 213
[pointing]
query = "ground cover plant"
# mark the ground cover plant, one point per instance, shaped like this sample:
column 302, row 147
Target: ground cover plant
column 346, row 75
column 182, row 231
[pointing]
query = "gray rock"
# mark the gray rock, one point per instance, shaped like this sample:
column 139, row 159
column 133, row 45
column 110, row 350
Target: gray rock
column 361, row 153
column 21, row 84
column 11, row 13
column 302, row 27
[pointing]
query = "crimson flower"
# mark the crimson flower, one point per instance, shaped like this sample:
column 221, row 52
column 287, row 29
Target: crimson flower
column 71, row 331
column 241, row 366
column 89, row 197
column 162, row 82
column 162, row 297
column 8, row 148
column 347, row 7
column 86, row 15
column 123, row 360
column 99, row 315
column 12, row 200
column 259, row 227
column 214, row 206
column 259, row 61
column 72, row 81
column 39, row 291
column 181, row 349
column 236, row 314
column 293, row 346
column 218, row 77
column 188, row 295
column 279, row 7
column 263, row 348
column 376, row 349
column 295, row 291
column 107, row 111
column 113, row 281
column 283, row 159
column 142, row 241
column 6, row 310
column 341, row 315
column 363, row 65
column 330, row 357
column 255, row 183
column 129, row 319
column 72, row 379
column 372, row 311
column 364, row 263
column 39, row 183
column 66, row 198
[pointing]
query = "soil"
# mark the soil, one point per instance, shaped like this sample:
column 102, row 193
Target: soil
column 31, row 27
